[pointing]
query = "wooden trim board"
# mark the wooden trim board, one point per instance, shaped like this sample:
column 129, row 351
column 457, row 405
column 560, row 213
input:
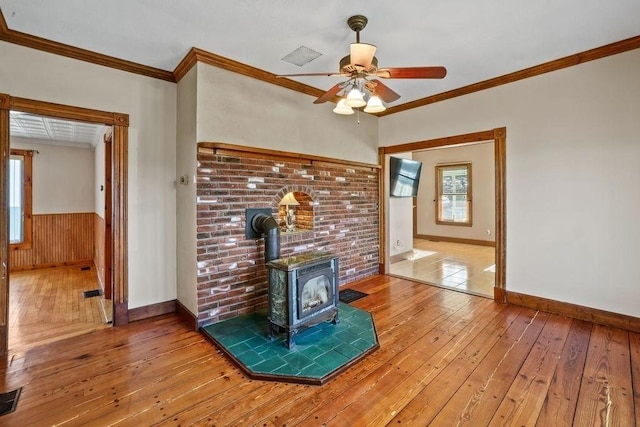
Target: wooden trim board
column 455, row 240
column 4, row 219
column 76, row 263
column 245, row 151
column 186, row 315
column 152, row 310
column 575, row 311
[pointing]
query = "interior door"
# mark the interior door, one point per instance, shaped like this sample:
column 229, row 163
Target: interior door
column 4, row 221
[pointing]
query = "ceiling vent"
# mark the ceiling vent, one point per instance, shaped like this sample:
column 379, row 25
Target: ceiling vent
column 302, row 55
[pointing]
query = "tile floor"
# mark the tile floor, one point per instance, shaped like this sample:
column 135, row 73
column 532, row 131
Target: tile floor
column 319, row 351
column 466, row 268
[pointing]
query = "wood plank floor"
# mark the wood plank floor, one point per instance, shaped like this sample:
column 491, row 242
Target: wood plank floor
column 445, row 358
column 48, row 305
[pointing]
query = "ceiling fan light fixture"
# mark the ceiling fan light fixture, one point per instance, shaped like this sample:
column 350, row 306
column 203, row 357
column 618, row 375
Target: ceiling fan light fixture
column 374, row 105
column 362, row 54
column 343, row 108
column 355, row 99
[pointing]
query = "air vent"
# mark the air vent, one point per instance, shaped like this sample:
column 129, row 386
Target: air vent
column 302, row 55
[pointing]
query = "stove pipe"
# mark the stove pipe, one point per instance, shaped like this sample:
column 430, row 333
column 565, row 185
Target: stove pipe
column 268, row 228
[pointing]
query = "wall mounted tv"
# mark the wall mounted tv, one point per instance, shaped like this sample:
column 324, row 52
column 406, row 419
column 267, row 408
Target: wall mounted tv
column 404, row 177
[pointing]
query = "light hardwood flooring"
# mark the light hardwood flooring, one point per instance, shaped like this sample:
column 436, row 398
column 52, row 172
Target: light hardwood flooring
column 446, row 358
column 48, row 305
column 462, row 267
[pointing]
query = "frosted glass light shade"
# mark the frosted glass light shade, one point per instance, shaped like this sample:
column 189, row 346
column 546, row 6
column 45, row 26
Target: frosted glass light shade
column 342, row 108
column 362, row 54
column 374, row 105
column 355, row 99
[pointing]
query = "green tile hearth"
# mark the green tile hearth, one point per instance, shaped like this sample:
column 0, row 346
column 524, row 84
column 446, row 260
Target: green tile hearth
column 320, row 353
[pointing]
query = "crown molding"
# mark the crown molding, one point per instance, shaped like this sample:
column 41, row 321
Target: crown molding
column 3, row 24
column 557, row 64
column 39, row 43
column 198, row 55
column 189, row 60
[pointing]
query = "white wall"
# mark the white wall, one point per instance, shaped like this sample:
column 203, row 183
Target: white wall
column 400, row 215
column 151, row 105
column 62, row 177
column 482, row 188
column 573, row 144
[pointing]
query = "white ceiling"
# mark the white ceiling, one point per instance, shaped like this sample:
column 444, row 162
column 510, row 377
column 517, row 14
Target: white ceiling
column 475, row 40
column 48, row 130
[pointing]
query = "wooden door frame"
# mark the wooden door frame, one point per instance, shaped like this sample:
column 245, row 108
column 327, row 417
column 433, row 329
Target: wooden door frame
column 108, row 217
column 499, row 138
column 119, row 172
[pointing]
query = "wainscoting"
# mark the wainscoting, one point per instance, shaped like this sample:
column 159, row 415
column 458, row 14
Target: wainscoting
column 58, row 240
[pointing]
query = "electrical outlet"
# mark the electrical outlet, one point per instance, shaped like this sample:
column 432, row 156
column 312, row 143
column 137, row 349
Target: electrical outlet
column 398, row 243
column 488, row 232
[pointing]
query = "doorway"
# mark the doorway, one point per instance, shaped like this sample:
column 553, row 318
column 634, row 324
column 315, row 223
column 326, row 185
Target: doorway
column 56, row 262
column 498, row 137
column 115, row 228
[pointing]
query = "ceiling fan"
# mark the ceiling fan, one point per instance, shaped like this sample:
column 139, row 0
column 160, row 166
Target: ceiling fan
column 361, row 68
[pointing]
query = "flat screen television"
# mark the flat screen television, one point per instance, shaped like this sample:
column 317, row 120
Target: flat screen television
column 404, row 177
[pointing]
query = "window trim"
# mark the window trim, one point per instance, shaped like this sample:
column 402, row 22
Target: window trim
column 28, row 205
column 438, row 195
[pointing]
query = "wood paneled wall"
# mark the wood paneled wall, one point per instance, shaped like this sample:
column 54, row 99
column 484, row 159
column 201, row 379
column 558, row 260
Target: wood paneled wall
column 58, row 239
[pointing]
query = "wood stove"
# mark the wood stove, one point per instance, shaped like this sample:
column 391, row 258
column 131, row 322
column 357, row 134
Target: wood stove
column 303, row 291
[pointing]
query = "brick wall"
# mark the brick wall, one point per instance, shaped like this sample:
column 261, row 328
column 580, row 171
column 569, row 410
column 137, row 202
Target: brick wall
column 341, row 199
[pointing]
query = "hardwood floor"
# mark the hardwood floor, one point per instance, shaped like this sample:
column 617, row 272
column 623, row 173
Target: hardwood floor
column 48, row 305
column 445, row 358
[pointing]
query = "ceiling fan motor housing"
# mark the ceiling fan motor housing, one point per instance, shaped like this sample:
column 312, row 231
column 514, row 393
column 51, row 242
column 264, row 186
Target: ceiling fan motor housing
column 347, row 68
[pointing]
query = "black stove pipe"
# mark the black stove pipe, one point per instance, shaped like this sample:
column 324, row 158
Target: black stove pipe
column 268, row 228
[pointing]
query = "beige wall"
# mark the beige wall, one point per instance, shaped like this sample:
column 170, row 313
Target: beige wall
column 186, row 194
column 571, row 180
column 151, row 105
column 239, row 110
column 62, row 177
column 483, row 191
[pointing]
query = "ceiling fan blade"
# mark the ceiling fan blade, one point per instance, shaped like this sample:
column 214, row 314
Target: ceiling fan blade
column 384, row 92
column 412, row 73
column 327, row 74
column 329, row 94
column 362, row 54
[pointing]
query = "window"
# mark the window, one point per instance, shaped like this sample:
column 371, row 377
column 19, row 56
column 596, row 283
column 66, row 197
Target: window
column 20, row 199
column 453, row 194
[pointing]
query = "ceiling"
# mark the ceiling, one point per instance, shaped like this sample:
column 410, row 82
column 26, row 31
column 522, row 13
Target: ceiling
column 48, row 130
column 474, row 40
